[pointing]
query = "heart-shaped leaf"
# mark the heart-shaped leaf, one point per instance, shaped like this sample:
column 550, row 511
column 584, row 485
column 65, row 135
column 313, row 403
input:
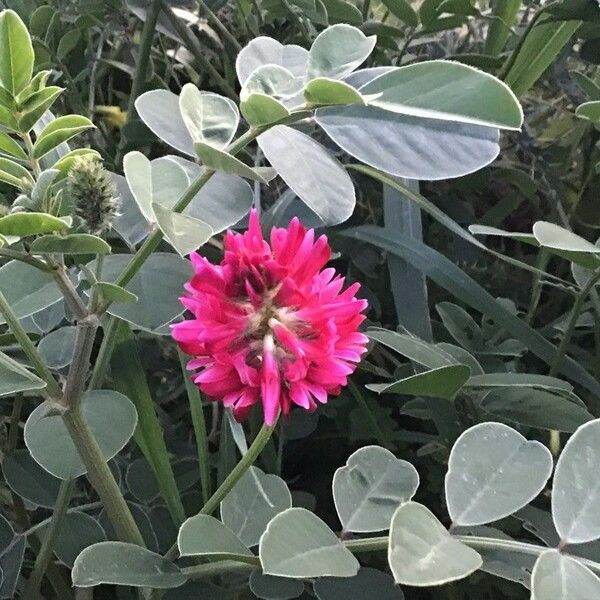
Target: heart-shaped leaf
column 253, row 502
column 111, row 417
column 493, row 471
column 557, row 576
column 576, row 494
column 297, row 544
column 370, row 488
column 205, row 535
column 422, row 553
column 119, row 563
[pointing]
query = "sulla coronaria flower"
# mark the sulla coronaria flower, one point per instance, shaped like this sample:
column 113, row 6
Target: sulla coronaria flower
column 270, row 323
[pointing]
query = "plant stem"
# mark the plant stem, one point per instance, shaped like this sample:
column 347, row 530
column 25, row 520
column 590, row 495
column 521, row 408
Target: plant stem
column 232, row 43
column 199, row 423
column 52, row 387
column 44, row 556
column 68, row 290
column 536, row 292
column 25, row 258
column 101, row 477
column 104, row 354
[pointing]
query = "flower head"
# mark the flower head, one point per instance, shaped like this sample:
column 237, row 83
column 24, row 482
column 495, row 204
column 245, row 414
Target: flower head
column 271, row 323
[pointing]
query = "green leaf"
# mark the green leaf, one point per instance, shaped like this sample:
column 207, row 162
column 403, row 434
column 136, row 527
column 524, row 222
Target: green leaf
column 488, row 380
column 443, row 382
column 557, row 576
column 504, row 15
column 27, row 289
column 322, row 183
column 114, row 293
column 299, row 545
column 11, row 147
column 16, row 53
column 567, row 244
column 58, row 131
column 14, row 377
column 119, row 563
column 446, row 274
column 111, row 416
column 216, row 159
column 576, row 495
column 588, row 85
column 252, row 503
column 138, row 172
column 74, row 243
column 326, row 91
column 446, row 90
column 589, row 111
column 8, row 120
column 493, row 471
column 64, row 164
column 338, row 50
column 412, row 348
column 23, row 224
column 370, row 487
column 422, row 553
column 68, row 42
column 527, row 238
column 403, row 11
column 341, row 11
column 274, row 81
column 209, row 118
column 155, row 284
column 183, row 232
column 268, row 587
column 535, row 408
column 36, row 105
column 56, row 348
column 204, row 535
column 27, row 479
column 77, row 531
column 537, row 52
column 259, row 109
column 369, row 584
column 14, row 174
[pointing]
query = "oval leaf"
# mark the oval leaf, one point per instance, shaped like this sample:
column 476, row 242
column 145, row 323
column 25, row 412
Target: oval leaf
column 58, row 131
column 205, row 535
column 76, row 243
column 16, row 53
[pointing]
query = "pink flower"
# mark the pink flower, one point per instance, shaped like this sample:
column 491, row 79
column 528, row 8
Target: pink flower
column 271, row 323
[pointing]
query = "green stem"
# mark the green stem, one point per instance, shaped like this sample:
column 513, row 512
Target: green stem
column 232, row 43
column 101, row 478
column 44, row 556
column 68, row 290
column 536, row 292
column 52, row 387
column 199, row 423
column 25, row 258
column 106, row 349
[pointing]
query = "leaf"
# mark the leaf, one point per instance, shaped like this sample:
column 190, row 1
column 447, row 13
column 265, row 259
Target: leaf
column 587, row 85
column 576, row 495
column 589, row 111
column 14, row 174
column 341, row 11
column 370, row 487
column 16, row 53
column 338, row 50
column 274, row 81
column 216, row 159
column 493, row 471
column 27, row 479
column 557, row 576
column 412, row 348
column 297, row 544
column 58, row 131
column 446, row 90
column 14, row 377
column 63, row 165
column 567, row 244
column 259, row 109
column 535, row 408
column 125, row 564
column 11, row 147
column 446, row 274
column 369, row 584
column 56, row 348
column 264, row 50
column 422, row 553
column 159, row 110
column 311, row 172
column 403, row 11
column 204, row 535
column 183, row 232
column 73, row 244
column 23, row 224
column 77, row 531
column 519, row 380
column 527, row 238
column 252, row 503
column 326, row 91
column 11, row 561
column 36, row 105
column 114, row 293
column 268, row 587
column 111, row 417
column 504, row 15
column 27, row 289
column 154, row 285
column 138, row 172
column 68, row 42
column 443, row 382
column 537, row 51
column 408, row 146
column 210, row 118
